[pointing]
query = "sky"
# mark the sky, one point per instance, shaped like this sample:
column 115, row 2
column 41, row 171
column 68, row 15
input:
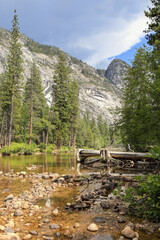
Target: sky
column 94, row 31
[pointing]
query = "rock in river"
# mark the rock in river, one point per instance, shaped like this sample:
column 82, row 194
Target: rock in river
column 92, row 227
column 128, row 233
column 99, row 220
column 18, row 212
column 54, row 226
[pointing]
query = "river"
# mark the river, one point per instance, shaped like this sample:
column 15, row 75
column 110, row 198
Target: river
column 62, row 164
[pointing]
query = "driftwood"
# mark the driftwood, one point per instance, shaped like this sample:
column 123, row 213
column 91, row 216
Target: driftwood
column 89, row 153
column 106, row 155
column 130, row 155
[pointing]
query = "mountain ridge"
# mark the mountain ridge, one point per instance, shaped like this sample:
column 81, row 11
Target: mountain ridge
column 97, row 93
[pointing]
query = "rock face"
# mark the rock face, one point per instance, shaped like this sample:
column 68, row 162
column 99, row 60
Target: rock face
column 97, row 94
column 116, row 72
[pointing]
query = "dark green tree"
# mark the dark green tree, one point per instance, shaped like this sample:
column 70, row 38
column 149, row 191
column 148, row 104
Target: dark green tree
column 65, row 98
column 135, row 114
column 35, row 109
column 153, row 31
column 12, row 84
column 153, row 37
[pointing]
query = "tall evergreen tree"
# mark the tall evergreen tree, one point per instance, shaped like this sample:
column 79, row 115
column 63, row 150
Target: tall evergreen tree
column 35, row 109
column 12, row 84
column 153, row 31
column 65, row 104
column 153, row 37
column 135, row 114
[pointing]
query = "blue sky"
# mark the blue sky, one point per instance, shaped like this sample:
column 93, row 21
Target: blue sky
column 94, row 31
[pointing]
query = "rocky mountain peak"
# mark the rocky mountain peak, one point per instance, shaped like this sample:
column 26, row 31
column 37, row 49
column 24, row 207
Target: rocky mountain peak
column 116, row 72
column 98, row 89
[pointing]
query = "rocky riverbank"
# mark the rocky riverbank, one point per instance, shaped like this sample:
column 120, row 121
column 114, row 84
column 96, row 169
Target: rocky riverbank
column 24, row 217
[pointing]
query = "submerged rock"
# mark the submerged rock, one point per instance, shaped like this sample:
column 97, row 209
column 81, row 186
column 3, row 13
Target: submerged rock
column 55, row 212
column 92, row 227
column 99, row 220
column 54, row 226
column 9, row 197
column 33, row 232
column 121, row 219
column 8, row 230
column 76, row 225
column 18, row 213
column 9, row 236
column 27, row 237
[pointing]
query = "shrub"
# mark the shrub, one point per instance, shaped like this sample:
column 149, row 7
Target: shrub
column 5, row 151
column 42, row 147
column 144, row 200
column 155, row 152
column 20, row 148
column 50, row 148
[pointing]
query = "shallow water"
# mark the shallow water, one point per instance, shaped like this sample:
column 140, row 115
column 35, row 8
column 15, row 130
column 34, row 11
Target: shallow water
column 63, row 164
column 60, row 163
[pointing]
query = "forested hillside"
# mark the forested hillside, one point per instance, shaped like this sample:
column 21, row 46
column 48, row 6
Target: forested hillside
column 97, row 93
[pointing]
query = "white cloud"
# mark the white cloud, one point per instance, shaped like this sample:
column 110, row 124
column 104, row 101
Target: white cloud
column 109, row 43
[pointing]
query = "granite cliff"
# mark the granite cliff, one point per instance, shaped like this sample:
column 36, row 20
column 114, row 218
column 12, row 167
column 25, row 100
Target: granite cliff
column 99, row 89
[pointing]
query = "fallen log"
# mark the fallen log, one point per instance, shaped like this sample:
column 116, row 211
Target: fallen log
column 131, row 155
column 89, row 153
column 107, row 155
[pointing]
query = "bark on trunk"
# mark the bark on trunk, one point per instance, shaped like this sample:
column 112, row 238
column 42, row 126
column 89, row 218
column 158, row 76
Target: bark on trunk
column 31, row 119
column 11, row 119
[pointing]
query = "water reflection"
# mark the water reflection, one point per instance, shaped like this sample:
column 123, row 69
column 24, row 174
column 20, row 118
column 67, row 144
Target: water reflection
column 59, row 163
column 64, row 163
column 48, row 203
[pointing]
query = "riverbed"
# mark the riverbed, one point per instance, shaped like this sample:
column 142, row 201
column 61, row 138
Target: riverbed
column 73, row 223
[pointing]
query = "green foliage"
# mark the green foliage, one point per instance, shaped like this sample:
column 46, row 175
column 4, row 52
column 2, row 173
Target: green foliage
column 41, row 48
column 118, row 190
column 153, row 31
column 136, row 119
column 65, row 108
column 155, row 152
column 140, row 115
column 35, row 105
column 144, row 200
column 11, row 88
column 20, row 148
column 42, row 147
column 5, row 150
column 92, row 133
column 50, row 148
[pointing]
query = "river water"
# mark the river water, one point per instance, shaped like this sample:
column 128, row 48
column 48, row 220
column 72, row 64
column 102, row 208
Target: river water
column 63, row 164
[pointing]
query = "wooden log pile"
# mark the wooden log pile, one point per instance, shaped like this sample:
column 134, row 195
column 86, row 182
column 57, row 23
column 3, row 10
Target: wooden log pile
column 107, row 155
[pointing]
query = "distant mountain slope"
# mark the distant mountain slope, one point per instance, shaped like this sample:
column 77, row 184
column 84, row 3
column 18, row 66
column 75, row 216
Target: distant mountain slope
column 116, row 72
column 97, row 94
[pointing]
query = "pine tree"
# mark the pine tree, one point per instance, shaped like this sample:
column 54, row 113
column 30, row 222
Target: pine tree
column 153, row 31
column 12, row 85
column 35, row 109
column 153, row 37
column 65, row 104
column 135, row 114
column 74, row 110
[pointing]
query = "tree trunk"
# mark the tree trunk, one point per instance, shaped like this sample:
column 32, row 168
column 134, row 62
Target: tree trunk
column 43, row 137
column 31, row 110
column 74, row 140
column 47, row 136
column 6, row 132
column 2, row 130
column 11, row 119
